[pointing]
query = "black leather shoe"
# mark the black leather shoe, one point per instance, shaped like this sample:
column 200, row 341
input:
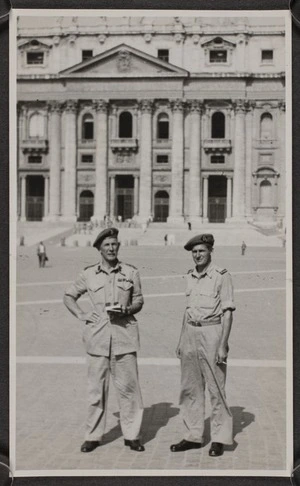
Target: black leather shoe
column 134, row 445
column 185, row 445
column 89, row 445
column 216, row 449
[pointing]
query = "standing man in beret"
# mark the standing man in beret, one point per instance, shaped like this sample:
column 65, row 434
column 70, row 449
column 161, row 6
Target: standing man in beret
column 203, row 349
column 111, row 339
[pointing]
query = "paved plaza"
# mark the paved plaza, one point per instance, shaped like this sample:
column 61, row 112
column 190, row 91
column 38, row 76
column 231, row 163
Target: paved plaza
column 51, row 371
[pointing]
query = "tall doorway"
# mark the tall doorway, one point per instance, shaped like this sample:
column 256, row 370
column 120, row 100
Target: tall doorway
column 86, row 205
column 161, row 206
column 35, row 192
column 124, row 203
column 217, row 192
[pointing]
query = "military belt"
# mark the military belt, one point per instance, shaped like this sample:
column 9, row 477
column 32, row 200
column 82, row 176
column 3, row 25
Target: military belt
column 204, row 323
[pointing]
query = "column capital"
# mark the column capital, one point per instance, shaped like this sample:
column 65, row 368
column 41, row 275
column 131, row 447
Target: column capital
column 178, row 106
column 71, row 106
column 239, row 106
column 195, row 106
column 100, row 106
column 205, row 176
column 22, row 108
column 281, row 105
column 146, row 106
column 229, row 176
column 54, row 106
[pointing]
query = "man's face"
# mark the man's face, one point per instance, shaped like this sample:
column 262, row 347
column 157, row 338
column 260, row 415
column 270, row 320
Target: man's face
column 109, row 249
column 201, row 255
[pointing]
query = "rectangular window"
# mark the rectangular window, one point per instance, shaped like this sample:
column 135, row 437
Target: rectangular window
column 87, row 158
column 267, row 55
column 218, row 56
column 35, row 58
column 163, row 54
column 162, row 159
column 34, row 159
column 217, row 159
column 87, row 54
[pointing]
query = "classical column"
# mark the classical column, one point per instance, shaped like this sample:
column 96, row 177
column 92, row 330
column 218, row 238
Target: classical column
column 54, row 161
column 176, row 206
column 46, row 197
column 100, row 207
column 205, row 198
column 114, row 128
column 136, row 195
column 249, row 169
column 195, row 163
column 112, row 195
column 283, row 162
column 229, row 197
column 69, row 197
column 23, row 198
column 146, row 160
column 239, row 163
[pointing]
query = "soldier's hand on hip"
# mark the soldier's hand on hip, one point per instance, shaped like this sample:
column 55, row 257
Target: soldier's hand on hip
column 91, row 316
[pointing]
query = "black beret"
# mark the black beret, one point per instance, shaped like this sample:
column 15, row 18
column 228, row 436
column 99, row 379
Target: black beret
column 108, row 232
column 205, row 239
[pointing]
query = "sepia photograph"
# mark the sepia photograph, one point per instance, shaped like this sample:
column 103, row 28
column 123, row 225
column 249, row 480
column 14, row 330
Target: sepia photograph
column 150, row 243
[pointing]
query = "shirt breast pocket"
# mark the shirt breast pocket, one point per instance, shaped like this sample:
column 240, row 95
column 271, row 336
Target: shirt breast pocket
column 124, row 292
column 97, row 293
column 205, row 299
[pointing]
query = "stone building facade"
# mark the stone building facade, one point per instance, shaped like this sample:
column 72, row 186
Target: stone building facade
column 174, row 117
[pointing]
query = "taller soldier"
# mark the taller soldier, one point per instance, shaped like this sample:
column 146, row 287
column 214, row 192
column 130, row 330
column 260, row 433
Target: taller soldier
column 111, row 339
column 203, row 349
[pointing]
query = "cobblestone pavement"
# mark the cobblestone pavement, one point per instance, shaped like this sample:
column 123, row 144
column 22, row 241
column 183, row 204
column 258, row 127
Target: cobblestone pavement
column 51, row 374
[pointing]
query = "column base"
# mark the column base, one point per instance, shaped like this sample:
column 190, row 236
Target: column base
column 175, row 220
column 205, row 220
column 68, row 219
column 23, row 219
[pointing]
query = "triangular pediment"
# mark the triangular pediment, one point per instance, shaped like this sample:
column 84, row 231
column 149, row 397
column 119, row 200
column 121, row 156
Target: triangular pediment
column 218, row 42
column 33, row 45
column 123, row 61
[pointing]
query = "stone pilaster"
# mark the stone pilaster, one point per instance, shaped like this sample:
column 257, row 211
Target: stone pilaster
column 239, row 162
column 249, row 156
column 195, row 160
column 176, row 206
column 23, row 198
column 114, row 122
column 112, row 191
column 136, row 195
column 146, row 160
column 205, row 198
column 229, row 198
column 282, row 167
column 69, row 196
column 54, row 160
column 46, row 197
column 100, row 207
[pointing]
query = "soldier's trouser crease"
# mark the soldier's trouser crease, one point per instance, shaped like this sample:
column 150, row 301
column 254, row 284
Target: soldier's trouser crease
column 124, row 372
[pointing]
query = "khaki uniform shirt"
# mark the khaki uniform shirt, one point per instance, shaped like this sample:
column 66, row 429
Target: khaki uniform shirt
column 122, row 285
column 209, row 294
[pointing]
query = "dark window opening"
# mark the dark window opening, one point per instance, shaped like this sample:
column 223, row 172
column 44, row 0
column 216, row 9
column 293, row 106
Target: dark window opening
column 218, row 56
column 35, row 58
column 218, row 40
column 87, row 158
column 163, row 126
column 163, row 54
column 125, row 125
column 218, row 125
column 35, row 159
column 162, row 159
column 267, row 55
column 88, row 128
column 87, row 54
column 217, row 159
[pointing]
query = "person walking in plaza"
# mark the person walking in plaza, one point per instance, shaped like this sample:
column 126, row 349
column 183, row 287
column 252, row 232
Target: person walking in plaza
column 243, row 248
column 203, row 349
column 111, row 339
column 41, row 253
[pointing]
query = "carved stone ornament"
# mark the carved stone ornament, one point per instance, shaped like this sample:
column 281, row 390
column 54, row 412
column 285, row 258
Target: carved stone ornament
column 124, row 61
column 56, row 40
column 178, row 106
column 54, row 106
column 239, row 106
column 196, row 38
column 178, row 38
column 71, row 106
column 195, row 106
column 100, row 106
column 123, row 158
column 146, row 106
column 148, row 37
column 72, row 39
column 101, row 38
column 163, row 179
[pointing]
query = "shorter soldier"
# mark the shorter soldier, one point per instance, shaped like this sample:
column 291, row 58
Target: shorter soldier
column 111, row 339
column 203, row 349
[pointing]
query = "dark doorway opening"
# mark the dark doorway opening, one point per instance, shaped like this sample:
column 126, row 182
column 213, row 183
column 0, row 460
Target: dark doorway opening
column 218, row 125
column 217, row 192
column 161, row 206
column 86, row 205
column 124, row 203
column 125, row 125
column 35, row 192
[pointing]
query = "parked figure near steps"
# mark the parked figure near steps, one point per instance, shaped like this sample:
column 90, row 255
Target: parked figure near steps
column 243, row 248
column 41, row 253
column 203, row 349
column 111, row 338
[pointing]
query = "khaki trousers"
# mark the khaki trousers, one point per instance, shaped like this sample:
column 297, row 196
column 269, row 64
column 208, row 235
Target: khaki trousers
column 124, row 372
column 199, row 369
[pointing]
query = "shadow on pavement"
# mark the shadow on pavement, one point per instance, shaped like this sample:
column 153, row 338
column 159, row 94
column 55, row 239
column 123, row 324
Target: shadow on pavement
column 241, row 420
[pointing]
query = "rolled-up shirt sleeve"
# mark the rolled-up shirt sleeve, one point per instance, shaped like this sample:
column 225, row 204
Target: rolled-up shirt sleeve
column 137, row 296
column 77, row 288
column 226, row 293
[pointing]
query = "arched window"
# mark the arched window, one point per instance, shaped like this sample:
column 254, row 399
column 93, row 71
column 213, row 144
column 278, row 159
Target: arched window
column 37, row 126
column 161, row 206
column 218, row 125
column 125, row 125
column 87, row 127
column 86, row 205
column 266, row 126
column 163, row 126
column 265, row 194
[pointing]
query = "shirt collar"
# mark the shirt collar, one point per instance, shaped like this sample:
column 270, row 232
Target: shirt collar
column 116, row 268
column 206, row 271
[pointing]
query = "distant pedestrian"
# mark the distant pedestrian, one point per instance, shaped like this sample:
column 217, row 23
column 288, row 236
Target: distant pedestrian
column 243, row 248
column 166, row 239
column 189, row 226
column 41, row 253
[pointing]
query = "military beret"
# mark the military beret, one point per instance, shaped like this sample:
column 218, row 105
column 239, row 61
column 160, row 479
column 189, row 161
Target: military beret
column 106, row 233
column 205, row 239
